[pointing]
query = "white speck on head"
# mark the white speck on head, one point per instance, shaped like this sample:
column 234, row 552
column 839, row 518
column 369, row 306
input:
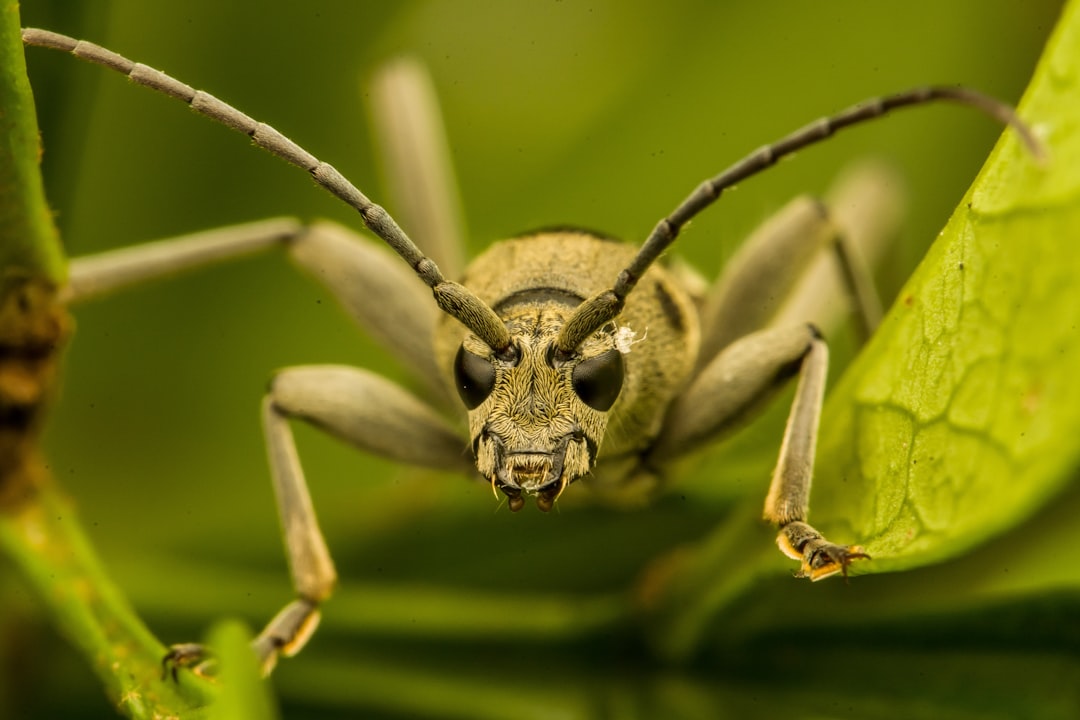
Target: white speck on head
column 625, row 338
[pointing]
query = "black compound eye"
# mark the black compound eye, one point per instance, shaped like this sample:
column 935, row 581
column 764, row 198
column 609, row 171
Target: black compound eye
column 598, row 380
column 474, row 377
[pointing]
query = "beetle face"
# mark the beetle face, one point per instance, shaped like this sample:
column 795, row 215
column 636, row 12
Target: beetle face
column 537, row 418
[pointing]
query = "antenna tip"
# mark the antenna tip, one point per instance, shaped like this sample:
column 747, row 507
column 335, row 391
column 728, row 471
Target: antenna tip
column 1032, row 137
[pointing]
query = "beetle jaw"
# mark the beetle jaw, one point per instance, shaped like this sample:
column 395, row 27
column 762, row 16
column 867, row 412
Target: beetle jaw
column 543, row 474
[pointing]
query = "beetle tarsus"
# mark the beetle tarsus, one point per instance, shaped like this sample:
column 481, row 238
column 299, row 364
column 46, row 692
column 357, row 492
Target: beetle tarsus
column 189, row 656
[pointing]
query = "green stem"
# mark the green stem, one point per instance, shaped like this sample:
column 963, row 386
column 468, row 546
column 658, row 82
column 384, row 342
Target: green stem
column 28, row 238
column 47, row 544
column 38, row 528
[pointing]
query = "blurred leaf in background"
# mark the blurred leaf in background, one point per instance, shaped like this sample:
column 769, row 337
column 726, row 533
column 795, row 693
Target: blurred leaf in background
column 601, row 115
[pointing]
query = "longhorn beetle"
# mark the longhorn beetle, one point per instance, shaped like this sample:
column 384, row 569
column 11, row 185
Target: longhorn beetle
column 576, row 358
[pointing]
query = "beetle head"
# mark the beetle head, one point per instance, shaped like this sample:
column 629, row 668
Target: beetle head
column 537, row 416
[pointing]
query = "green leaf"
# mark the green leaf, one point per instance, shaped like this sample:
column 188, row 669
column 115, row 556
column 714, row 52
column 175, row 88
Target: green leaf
column 244, row 694
column 959, row 419
column 955, row 424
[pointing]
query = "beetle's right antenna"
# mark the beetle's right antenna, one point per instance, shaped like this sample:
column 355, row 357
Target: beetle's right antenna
column 454, row 299
column 603, row 307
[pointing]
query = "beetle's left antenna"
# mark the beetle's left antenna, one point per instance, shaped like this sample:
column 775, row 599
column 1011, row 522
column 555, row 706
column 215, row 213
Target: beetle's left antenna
column 454, row 299
column 603, row 307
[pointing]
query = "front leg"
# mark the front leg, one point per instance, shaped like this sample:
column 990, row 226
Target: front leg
column 788, row 501
column 725, row 395
column 365, row 410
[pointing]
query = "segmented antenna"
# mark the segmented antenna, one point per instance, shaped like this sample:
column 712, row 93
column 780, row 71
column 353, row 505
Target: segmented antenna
column 454, row 299
column 458, row 301
column 603, row 307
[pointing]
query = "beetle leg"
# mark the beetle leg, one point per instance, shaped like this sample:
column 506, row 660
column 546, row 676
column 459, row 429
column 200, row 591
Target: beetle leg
column 371, row 413
column 378, row 291
column 757, row 279
column 98, row 275
column 788, row 501
column 373, row 286
column 781, row 276
column 730, row 390
column 726, row 394
column 866, row 205
column 416, row 158
column 365, row 410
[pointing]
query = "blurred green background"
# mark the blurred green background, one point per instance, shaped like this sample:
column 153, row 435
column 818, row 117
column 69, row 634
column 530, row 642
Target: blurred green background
column 601, row 114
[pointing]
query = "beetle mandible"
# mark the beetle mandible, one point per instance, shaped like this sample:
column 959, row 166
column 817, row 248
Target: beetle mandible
column 577, row 358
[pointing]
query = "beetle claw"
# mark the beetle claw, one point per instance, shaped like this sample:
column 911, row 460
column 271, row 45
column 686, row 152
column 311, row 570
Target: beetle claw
column 190, row 656
column 828, row 559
